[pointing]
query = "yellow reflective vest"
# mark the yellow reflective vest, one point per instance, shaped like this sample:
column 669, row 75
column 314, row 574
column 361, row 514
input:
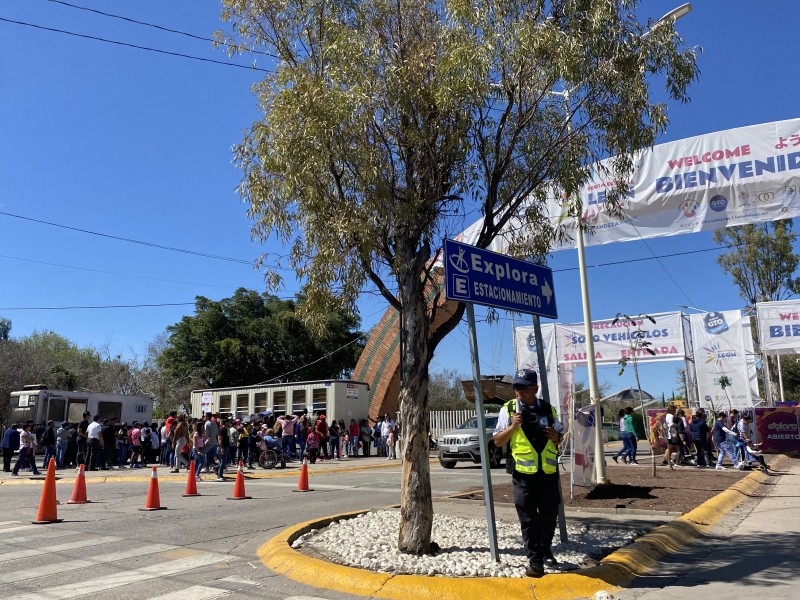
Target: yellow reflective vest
column 526, row 459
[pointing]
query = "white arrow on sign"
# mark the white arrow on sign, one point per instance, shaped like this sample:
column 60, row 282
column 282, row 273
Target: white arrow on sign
column 546, row 291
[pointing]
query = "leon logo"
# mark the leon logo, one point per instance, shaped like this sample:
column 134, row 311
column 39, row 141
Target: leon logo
column 689, row 208
column 715, row 323
column 791, row 192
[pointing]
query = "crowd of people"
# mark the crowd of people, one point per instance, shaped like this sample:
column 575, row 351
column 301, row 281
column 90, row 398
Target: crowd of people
column 213, row 441
column 693, row 441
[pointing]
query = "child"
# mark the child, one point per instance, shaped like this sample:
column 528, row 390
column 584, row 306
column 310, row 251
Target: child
column 312, row 445
column 390, row 452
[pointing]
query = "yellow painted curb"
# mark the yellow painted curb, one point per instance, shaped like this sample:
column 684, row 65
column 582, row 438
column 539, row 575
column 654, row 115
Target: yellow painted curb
column 617, row 570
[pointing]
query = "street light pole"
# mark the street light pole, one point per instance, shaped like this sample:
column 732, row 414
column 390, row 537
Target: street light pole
column 594, row 388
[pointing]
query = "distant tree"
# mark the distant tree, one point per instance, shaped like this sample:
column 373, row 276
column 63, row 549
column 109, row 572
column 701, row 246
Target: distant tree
column 446, row 393
column 171, row 392
column 762, row 263
column 5, row 328
column 253, row 337
column 790, row 371
column 680, row 382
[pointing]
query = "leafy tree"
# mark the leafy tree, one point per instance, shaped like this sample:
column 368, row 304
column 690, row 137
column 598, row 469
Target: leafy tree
column 253, row 337
column 762, row 263
column 388, row 124
column 446, row 393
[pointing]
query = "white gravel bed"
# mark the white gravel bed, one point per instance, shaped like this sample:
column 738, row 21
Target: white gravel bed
column 369, row 541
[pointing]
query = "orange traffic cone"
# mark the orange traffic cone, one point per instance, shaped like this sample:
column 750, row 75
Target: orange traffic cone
column 238, row 487
column 302, row 486
column 79, row 491
column 191, row 482
column 48, row 513
column 153, row 499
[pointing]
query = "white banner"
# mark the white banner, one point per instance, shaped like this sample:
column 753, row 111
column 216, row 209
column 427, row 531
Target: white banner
column 611, row 341
column 583, row 471
column 707, row 182
column 779, row 326
column 719, row 348
column 525, row 342
column 207, row 402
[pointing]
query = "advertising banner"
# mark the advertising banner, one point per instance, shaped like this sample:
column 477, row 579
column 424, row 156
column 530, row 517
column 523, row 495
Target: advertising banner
column 779, row 326
column 207, row 402
column 525, row 342
column 583, row 471
column 612, row 340
column 719, row 351
column 722, row 179
column 779, row 430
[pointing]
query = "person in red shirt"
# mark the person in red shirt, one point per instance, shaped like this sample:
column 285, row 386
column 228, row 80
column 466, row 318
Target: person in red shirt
column 355, row 432
column 321, row 427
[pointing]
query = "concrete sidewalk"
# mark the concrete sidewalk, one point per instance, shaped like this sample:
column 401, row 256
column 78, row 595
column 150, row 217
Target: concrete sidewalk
column 754, row 547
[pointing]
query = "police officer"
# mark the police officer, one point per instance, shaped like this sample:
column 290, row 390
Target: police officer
column 533, row 430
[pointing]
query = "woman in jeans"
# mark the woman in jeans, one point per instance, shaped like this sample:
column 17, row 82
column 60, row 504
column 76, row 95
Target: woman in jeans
column 198, row 449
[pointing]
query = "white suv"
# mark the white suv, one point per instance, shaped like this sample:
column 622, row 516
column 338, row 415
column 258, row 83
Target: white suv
column 463, row 444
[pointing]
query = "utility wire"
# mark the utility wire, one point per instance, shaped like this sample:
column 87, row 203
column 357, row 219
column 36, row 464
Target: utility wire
column 167, row 29
column 130, row 240
column 313, row 362
column 49, row 264
column 500, row 317
column 135, row 46
column 96, row 307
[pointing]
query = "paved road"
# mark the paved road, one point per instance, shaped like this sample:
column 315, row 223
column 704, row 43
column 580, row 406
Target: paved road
column 206, row 546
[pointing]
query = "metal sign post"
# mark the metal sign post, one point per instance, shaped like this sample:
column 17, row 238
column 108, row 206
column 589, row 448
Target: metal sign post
column 475, row 275
column 488, row 498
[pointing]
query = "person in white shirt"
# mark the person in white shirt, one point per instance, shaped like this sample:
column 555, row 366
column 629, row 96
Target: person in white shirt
column 95, row 439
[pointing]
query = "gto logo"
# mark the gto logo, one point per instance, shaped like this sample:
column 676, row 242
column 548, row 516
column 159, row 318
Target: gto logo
column 718, row 203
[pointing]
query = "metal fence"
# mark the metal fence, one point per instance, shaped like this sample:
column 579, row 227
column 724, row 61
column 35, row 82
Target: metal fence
column 442, row 421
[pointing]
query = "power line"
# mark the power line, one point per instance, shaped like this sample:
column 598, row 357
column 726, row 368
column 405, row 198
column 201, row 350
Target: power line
column 49, row 264
column 654, row 257
column 129, row 240
column 96, row 307
column 135, row 46
column 162, row 28
column 313, row 362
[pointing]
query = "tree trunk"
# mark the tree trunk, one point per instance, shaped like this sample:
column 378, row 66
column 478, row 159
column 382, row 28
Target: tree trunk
column 416, row 503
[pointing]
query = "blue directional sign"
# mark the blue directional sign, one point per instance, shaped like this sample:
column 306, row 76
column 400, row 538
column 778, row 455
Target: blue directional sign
column 483, row 277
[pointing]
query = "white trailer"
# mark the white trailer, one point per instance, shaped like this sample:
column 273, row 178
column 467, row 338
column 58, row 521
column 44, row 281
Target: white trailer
column 337, row 398
column 40, row 404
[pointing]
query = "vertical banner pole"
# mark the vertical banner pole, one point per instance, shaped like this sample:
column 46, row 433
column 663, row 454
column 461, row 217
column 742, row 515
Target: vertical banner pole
column 537, row 331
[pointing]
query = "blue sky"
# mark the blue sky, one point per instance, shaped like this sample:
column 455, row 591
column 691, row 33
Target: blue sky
column 137, row 145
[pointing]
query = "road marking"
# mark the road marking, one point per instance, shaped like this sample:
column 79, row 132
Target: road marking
column 124, row 578
column 72, row 565
column 83, row 543
column 214, row 589
column 51, row 534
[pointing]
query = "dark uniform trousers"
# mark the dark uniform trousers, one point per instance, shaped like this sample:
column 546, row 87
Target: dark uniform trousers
column 536, row 499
